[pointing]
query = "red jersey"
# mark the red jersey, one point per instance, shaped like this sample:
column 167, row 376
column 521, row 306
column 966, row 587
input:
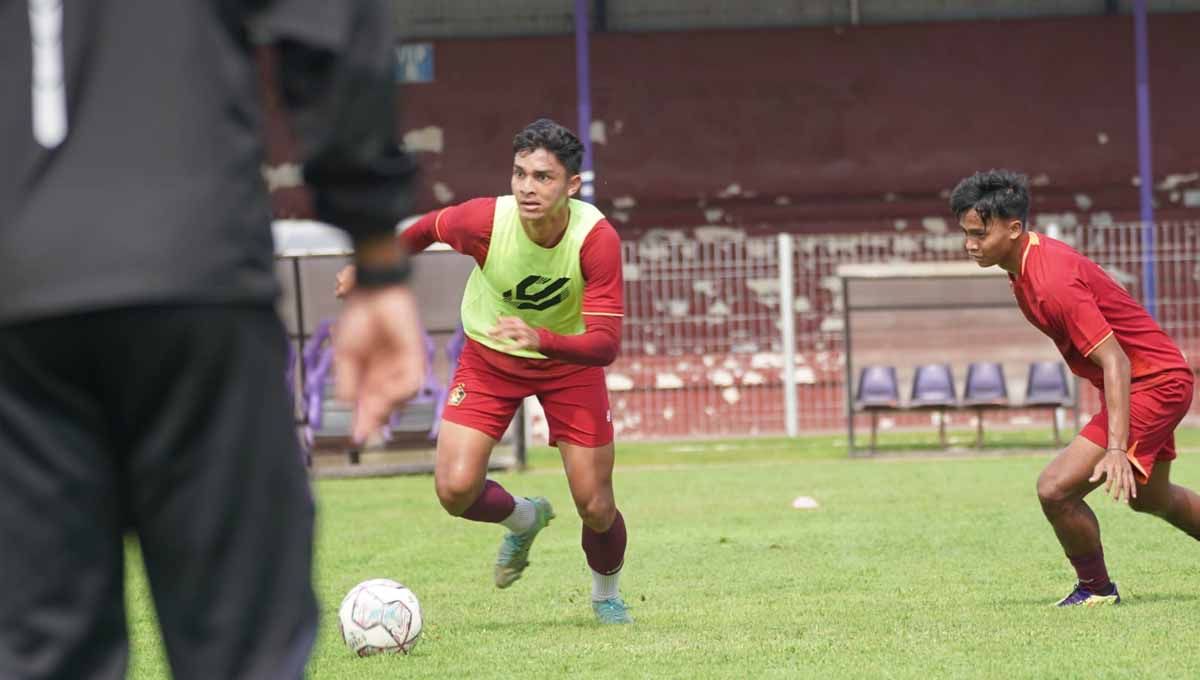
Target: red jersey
column 1074, row 302
column 467, row 228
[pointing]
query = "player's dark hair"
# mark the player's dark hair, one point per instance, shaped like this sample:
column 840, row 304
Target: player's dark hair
column 995, row 193
column 544, row 133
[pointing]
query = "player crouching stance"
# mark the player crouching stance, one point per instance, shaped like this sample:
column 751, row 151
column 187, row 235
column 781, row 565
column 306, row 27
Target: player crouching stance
column 542, row 314
column 1105, row 337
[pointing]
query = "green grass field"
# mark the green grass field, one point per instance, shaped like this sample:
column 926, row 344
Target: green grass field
column 913, row 567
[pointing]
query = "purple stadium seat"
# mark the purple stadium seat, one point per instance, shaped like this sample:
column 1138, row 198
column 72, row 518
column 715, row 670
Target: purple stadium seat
column 1047, row 386
column 878, row 387
column 455, row 347
column 985, row 387
column 878, row 390
column 318, row 365
column 289, row 370
column 933, row 388
column 454, row 350
column 328, row 416
column 419, row 412
column 312, row 348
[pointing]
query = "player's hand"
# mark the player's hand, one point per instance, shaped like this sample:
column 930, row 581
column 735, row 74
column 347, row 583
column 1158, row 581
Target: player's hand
column 1118, row 473
column 345, row 281
column 515, row 332
column 379, row 355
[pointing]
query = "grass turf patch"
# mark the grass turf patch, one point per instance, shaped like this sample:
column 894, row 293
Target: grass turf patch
column 911, row 567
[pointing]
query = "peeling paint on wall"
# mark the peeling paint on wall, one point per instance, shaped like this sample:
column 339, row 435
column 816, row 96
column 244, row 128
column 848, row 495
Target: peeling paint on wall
column 904, row 245
column 428, row 139
column 945, row 244
column 618, row 382
column 443, row 193
column 1048, row 220
column 832, row 324
column 1174, row 181
column 598, row 133
column 713, row 233
column 730, row 191
column 765, row 290
column 667, row 381
column 721, row 378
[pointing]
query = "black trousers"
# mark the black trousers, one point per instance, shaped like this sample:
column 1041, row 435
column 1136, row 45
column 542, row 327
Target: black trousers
column 173, row 423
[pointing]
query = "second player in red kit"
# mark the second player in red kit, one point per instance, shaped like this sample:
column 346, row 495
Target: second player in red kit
column 1107, row 338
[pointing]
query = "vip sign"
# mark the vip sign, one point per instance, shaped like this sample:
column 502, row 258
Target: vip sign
column 414, row 63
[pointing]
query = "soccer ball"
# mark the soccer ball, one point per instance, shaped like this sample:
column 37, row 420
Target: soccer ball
column 379, row 616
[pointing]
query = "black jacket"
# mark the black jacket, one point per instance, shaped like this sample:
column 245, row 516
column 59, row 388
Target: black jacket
column 154, row 194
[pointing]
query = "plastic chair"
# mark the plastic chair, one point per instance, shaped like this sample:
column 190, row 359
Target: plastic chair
column 985, row 387
column 421, row 412
column 1047, row 386
column 933, row 388
column 454, row 348
column 878, row 390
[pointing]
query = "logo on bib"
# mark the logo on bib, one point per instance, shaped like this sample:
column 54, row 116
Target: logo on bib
column 549, row 292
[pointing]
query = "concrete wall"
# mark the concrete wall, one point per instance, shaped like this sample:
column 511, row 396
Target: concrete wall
column 824, row 129
column 488, row 18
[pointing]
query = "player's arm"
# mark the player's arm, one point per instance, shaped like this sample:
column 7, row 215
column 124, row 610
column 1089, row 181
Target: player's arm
column 603, row 308
column 1115, row 465
column 466, row 227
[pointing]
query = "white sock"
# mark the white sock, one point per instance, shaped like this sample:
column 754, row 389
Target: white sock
column 605, row 586
column 522, row 516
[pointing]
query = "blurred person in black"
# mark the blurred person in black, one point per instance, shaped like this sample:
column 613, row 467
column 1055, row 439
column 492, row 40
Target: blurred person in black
column 141, row 359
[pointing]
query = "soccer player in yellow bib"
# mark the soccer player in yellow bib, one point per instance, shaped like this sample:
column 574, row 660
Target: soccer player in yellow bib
column 542, row 314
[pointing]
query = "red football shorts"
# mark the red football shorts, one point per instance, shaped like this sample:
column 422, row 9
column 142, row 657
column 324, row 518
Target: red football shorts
column 1154, row 413
column 488, row 387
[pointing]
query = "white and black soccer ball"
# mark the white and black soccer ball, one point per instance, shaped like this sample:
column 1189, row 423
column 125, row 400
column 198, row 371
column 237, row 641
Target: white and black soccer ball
column 380, row 616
